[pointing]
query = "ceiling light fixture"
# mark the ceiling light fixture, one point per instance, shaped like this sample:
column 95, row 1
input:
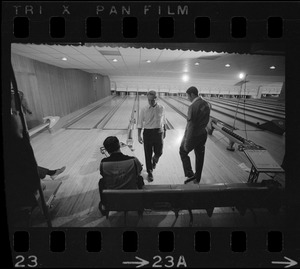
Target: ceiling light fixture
column 272, row 67
column 64, row 59
column 227, row 65
column 115, row 60
column 148, row 61
column 196, row 63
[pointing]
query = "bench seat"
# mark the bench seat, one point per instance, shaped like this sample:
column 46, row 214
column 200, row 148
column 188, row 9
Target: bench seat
column 195, row 196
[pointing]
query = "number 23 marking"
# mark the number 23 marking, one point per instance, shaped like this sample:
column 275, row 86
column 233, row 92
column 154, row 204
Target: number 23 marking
column 170, row 260
column 32, row 259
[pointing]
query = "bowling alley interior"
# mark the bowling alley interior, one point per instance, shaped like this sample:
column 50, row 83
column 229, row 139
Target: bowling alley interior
column 79, row 94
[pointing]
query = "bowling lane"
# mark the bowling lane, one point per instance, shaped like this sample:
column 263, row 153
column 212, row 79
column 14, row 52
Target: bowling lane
column 273, row 143
column 183, row 106
column 259, row 116
column 273, row 112
column 92, row 119
column 220, row 115
column 120, row 119
column 176, row 120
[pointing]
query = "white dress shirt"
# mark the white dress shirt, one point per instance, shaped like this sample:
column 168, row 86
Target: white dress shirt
column 152, row 117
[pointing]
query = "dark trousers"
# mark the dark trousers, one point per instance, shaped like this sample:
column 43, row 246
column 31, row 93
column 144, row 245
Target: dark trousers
column 199, row 148
column 153, row 142
column 44, row 171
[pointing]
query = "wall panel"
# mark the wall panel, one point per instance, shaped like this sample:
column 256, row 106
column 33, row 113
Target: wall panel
column 55, row 91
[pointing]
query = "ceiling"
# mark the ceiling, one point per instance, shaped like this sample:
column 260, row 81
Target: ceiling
column 168, row 63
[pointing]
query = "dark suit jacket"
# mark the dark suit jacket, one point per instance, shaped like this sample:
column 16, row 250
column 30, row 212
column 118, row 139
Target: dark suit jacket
column 197, row 120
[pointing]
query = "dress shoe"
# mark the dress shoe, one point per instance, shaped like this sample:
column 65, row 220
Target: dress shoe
column 189, row 179
column 150, row 177
column 58, row 171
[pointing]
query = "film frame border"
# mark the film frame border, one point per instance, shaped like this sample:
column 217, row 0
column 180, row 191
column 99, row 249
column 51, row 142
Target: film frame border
column 183, row 255
column 220, row 15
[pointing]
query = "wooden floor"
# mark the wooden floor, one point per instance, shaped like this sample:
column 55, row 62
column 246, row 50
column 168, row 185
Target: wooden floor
column 79, row 150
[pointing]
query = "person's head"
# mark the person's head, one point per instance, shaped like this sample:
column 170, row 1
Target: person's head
column 152, row 96
column 111, row 144
column 192, row 93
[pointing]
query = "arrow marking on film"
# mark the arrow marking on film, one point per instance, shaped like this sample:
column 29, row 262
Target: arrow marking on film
column 288, row 263
column 140, row 263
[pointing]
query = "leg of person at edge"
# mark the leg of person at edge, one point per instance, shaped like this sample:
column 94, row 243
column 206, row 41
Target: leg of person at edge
column 152, row 120
column 195, row 135
column 52, row 173
column 25, row 107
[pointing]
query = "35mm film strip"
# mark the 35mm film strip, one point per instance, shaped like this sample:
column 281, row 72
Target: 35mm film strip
column 160, row 247
column 268, row 28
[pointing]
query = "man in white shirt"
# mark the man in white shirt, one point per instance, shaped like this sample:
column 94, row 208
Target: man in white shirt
column 152, row 119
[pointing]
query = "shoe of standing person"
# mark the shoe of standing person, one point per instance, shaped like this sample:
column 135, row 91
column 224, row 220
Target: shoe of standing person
column 150, row 177
column 189, row 179
column 196, row 181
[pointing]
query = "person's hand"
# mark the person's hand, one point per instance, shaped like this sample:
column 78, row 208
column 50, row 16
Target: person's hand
column 164, row 136
column 140, row 139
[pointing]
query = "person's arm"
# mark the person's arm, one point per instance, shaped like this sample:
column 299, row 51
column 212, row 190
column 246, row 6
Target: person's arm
column 101, row 181
column 188, row 129
column 164, row 123
column 101, row 169
column 140, row 126
column 140, row 139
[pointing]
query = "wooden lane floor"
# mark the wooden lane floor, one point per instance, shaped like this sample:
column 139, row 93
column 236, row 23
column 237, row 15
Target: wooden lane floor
column 215, row 148
column 183, row 106
column 92, row 119
column 252, row 103
column 177, row 121
column 225, row 117
column 241, row 106
column 277, row 103
column 266, row 113
column 143, row 102
column 76, row 202
column 274, row 143
column 120, row 119
column 241, row 115
column 78, row 150
column 220, row 166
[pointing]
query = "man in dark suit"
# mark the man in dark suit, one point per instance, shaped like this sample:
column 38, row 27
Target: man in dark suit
column 195, row 135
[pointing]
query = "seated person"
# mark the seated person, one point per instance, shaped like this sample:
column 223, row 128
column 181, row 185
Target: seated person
column 118, row 171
